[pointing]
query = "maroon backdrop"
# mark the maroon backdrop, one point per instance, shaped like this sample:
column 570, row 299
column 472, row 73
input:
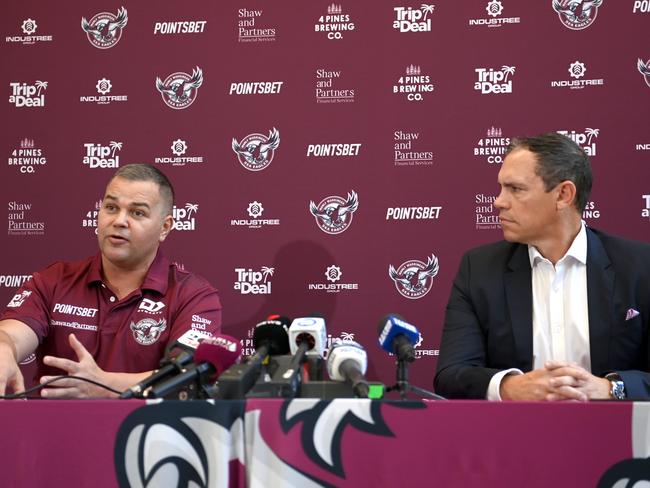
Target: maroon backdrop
column 400, row 104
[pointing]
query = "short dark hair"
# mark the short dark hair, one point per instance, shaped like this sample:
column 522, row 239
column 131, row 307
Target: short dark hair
column 559, row 159
column 147, row 172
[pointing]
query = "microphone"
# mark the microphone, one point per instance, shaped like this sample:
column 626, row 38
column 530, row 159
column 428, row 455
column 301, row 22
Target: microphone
column 213, row 356
column 348, row 361
column 307, row 336
column 270, row 338
column 398, row 337
column 188, row 342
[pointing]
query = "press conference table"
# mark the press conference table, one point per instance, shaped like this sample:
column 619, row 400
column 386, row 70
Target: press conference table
column 304, row 443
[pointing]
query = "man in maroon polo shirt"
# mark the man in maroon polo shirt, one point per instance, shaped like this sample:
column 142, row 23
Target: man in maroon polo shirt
column 108, row 317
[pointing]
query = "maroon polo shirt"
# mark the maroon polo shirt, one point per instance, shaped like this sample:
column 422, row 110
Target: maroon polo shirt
column 128, row 335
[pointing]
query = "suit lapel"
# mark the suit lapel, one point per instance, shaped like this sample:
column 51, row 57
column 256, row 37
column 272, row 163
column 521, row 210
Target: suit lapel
column 519, row 297
column 600, row 290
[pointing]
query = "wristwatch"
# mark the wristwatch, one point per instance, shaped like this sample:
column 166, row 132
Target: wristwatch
column 617, row 390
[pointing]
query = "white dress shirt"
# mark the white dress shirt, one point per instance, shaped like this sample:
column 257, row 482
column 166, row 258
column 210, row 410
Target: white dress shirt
column 560, row 310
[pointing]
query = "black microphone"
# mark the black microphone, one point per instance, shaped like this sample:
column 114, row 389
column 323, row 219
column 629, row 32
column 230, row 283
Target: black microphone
column 188, row 342
column 270, row 338
column 212, row 357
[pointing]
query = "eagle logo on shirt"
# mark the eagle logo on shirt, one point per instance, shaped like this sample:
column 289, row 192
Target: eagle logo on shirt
column 147, row 331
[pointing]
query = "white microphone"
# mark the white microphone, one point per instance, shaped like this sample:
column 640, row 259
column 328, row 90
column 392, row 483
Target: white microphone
column 348, row 361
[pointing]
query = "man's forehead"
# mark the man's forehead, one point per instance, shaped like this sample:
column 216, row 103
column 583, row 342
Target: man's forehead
column 133, row 191
column 519, row 164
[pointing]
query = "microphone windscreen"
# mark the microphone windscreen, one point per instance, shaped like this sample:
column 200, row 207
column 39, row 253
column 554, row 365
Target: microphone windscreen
column 274, row 334
column 221, row 351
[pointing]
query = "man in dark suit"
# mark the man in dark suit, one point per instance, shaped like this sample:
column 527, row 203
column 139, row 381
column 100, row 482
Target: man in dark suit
column 557, row 311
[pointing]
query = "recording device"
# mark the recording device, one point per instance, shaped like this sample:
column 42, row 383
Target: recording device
column 307, row 340
column 348, row 361
column 398, row 337
column 212, row 357
column 170, row 366
column 270, row 338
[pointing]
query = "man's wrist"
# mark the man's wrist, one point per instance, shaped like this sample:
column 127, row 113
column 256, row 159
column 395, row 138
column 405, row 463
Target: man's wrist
column 7, row 341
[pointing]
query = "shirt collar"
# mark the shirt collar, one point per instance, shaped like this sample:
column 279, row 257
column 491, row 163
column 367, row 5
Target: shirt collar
column 155, row 280
column 577, row 250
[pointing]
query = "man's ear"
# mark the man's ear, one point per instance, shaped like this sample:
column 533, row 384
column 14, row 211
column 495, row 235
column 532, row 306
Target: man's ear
column 167, row 226
column 566, row 195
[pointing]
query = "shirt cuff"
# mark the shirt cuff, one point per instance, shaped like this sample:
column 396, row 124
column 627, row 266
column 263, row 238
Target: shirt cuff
column 495, row 384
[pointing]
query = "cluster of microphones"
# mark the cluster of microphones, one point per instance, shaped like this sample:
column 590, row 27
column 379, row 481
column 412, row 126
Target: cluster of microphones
column 290, row 360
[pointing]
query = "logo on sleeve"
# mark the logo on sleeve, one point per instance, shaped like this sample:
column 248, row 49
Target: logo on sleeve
column 18, row 299
column 147, row 331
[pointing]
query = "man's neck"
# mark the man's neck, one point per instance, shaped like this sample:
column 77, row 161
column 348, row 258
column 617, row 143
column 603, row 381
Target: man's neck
column 558, row 242
column 124, row 280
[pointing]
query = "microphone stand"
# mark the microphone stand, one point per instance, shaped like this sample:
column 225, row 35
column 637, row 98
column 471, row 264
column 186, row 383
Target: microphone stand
column 403, row 385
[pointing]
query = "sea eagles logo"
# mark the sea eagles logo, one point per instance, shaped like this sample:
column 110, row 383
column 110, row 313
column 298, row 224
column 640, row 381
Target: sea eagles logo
column 644, row 69
column 147, row 331
column 577, row 14
column 334, row 214
column 175, row 444
column 255, row 151
column 413, row 279
column 105, row 29
column 179, row 90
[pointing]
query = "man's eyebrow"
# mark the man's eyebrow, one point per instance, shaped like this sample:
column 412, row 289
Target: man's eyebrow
column 132, row 204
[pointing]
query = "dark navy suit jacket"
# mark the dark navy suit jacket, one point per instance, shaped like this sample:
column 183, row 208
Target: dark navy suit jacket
column 489, row 318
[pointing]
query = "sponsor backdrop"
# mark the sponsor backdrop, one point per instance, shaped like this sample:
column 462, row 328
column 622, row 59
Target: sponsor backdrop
column 331, row 157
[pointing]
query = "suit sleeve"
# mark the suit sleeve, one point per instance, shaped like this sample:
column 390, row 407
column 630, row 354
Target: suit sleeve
column 462, row 371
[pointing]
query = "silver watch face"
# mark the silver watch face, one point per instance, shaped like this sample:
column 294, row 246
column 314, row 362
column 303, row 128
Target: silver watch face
column 618, row 390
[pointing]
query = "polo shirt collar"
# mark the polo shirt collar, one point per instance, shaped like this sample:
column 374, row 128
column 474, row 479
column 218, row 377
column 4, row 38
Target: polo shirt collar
column 156, row 279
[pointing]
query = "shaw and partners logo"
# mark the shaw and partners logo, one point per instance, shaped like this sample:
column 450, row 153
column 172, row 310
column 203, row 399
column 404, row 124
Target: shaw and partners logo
column 576, row 14
column 20, row 222
column 255, row 152
column 487, row 215
column 248, row 28
column 328, row 87
column 413, row 278
column 99, row 156
column 24, row 95
column 408, row 19
column 251, row 282
column 104, row 29
column 495, row 81
column 334, row 213
column 179, row 90
column 406, row 154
